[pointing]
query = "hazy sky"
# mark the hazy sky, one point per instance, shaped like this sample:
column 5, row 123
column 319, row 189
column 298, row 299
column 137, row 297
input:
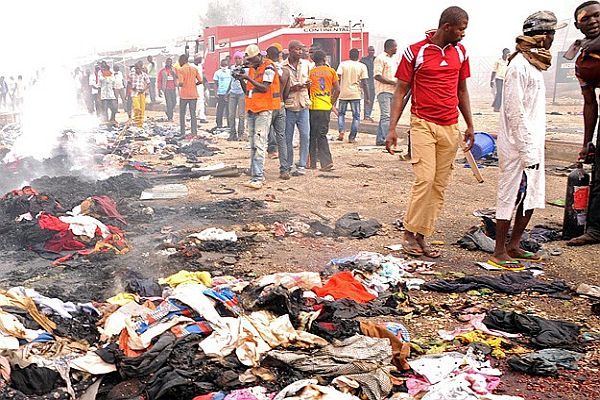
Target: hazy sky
column 34, row 30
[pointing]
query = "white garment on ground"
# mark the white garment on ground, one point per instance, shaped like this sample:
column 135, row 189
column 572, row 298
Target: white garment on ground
column 216, row 234
column 84, row 225
column 521, row 137
column 92, row 364
column 252, row 336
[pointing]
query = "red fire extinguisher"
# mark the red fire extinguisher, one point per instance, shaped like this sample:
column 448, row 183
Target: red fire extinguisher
column 576, row 203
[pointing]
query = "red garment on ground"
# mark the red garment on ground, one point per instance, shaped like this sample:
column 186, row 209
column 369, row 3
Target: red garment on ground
column 109, row 207
column 50, row 222
column 63, row 241
column 343, row 286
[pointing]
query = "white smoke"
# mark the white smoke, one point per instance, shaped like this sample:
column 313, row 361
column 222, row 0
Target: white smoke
column 48, row 109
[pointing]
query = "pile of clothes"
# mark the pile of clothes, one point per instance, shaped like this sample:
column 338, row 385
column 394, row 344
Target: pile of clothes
column 299, row 335
column 39, row 222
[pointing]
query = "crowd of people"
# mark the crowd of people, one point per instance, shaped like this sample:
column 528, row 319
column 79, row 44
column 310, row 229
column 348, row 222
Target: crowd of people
column 12, row 92
column 267, row 95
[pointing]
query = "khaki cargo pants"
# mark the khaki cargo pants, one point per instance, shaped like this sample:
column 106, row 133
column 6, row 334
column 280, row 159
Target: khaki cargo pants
column 433, row 150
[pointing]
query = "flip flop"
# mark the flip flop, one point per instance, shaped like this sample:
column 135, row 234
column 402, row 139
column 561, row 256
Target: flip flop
column 507, row 265
column 528, row 256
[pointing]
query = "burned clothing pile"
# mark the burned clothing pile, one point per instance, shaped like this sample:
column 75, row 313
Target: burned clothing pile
column 59, row 222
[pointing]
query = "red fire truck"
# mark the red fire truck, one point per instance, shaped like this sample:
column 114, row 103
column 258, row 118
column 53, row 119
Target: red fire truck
column 219, row 42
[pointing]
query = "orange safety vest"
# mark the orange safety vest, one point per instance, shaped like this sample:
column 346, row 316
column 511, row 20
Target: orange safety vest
column 271, row 99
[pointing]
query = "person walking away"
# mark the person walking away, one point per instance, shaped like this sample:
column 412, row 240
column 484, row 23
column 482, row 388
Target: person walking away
column 167, row 86
column 139, row 86
column 296, row 106
column 521, row 139
column 277, row 129
column 129, row 92
column 261, row 85
column 200, row 105
column 3, row 92
column 369, row 61
column 222, row 78
column 19, row 93
column 94, row 83
column 587, row 70
column 188, row 79
column 237, row 104
column 324, row 91
column 120, row 84
column 12, row 85
column 353, row 76
column 497, row 78
column 107, row 95
column 151, row 70
column 436, row 70
column 386, row 65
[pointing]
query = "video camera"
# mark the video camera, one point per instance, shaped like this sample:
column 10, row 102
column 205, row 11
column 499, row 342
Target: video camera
column 238, row 70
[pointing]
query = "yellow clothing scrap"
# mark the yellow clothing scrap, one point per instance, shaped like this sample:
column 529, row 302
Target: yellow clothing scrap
column 122, row 298
column 184, row 276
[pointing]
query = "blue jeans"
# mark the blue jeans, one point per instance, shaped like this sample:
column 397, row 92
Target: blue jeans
column 258, row 126
column 385, row 106
column 355, row 107
column 300, row 119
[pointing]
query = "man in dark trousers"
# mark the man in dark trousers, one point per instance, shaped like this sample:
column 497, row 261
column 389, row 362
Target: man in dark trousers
column 324, row 91
column 587, row 70
column 497, row 78
column 369, row 61
column 436, row 69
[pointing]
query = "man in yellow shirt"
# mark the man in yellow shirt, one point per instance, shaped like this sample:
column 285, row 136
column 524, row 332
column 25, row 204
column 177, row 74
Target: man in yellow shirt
column 324, row 91
column 497, row 78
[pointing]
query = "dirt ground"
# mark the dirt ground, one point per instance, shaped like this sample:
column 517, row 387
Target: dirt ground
column 376, row 185
column 381, row 191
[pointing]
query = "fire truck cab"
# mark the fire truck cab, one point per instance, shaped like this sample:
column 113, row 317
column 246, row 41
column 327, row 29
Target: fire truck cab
column 221, row 42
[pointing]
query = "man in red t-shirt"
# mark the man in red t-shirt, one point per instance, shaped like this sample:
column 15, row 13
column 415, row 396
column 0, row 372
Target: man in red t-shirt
column 435, row 70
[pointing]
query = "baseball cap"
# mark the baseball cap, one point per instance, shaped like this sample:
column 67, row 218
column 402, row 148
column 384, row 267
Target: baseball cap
column 238, row 54
column 542, row 21
column 252, row 50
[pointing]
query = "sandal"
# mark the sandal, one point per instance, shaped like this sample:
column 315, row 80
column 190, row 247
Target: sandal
column 412, row 251
column 583, row 240
column 528, row 256
column 431, row 252
column 511, row 265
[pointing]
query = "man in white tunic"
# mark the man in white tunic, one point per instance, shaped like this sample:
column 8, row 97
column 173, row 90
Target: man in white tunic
column 521, row 183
